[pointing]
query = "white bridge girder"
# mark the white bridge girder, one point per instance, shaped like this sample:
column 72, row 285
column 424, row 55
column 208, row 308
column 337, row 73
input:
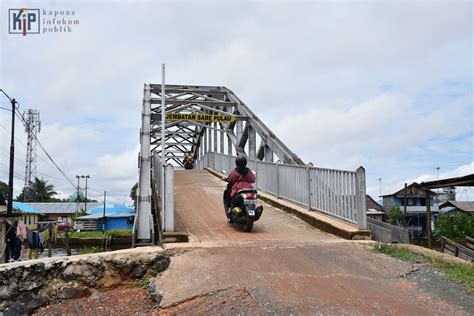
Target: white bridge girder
column 198, row 138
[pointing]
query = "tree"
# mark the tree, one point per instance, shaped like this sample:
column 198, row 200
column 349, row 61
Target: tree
column 4, row 189
column 133, row 194
column 39, row 191
column 395, row 215
column 454, row 225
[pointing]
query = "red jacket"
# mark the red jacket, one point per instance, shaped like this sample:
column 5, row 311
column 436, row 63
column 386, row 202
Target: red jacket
column 240, row 182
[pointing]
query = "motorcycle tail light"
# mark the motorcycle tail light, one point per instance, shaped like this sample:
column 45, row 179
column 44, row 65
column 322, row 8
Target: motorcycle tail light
column 250, row 196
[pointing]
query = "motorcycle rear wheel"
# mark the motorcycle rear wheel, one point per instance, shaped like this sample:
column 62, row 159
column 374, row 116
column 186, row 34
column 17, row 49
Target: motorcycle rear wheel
column 248, row 225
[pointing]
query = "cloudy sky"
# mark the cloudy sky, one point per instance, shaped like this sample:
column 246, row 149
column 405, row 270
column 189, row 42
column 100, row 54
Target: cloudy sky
column 385, row 85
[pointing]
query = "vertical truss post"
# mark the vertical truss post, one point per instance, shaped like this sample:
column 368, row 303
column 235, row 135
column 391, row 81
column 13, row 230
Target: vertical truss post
column 229, row 147
column 215, row 137
column 204, row 135
column 252, row 143
column 221, row 142
column 268, row 154
column 239, row 126
column 209, row 138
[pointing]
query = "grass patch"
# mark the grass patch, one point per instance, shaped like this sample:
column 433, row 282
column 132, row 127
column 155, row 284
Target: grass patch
column 99, row 234
column 143, row 282
column 92, row 249
column 395, row 252
column 455, row 272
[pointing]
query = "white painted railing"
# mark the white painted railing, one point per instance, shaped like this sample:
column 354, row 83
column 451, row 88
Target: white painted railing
column 166, row 193
column 339, row 193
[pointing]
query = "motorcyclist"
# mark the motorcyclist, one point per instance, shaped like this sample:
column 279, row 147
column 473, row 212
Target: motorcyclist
column 240, row 178
column 188, row 160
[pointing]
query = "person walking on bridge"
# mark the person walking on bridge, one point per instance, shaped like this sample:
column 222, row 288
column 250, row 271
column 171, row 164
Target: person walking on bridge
column 240, row 178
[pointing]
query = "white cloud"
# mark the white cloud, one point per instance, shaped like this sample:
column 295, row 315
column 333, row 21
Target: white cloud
column 384, row 85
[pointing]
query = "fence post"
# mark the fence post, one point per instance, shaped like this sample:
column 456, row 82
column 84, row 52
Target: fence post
column 278, row 180
column 308, row 187
column 360, row 198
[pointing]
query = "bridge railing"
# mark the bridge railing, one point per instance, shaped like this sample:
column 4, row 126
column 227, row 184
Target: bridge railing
column 339, row 193
column 165, row 194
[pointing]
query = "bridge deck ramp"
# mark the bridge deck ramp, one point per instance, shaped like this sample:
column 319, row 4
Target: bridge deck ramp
column 199, row 212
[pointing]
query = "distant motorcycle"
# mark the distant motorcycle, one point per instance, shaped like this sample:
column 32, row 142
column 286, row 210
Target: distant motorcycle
column 244, row 210
column 188, row 163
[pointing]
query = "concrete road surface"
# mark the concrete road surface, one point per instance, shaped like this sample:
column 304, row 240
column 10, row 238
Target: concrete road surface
column 283, row 267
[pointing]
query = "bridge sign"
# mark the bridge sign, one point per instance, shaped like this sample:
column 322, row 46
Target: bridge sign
column 195, row 117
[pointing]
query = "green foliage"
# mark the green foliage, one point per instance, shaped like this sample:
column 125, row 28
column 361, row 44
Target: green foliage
column 38, row 191
column 395, row 215
column 120, row 232
column 143, row 282
column 454, row 225
column 133, row 194
column 459, row 273
column 4, row 189
column 456, row 272
column 99, row 234
column 92, row 249
column 395, row 252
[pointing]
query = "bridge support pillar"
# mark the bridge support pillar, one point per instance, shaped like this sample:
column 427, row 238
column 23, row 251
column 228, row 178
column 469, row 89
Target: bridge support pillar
column 143, row 228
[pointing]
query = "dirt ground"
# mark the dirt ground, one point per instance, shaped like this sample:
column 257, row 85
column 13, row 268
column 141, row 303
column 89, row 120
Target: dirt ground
column 283, row 267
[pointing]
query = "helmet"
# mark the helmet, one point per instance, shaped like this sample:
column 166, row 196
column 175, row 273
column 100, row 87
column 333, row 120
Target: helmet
column 241, row 161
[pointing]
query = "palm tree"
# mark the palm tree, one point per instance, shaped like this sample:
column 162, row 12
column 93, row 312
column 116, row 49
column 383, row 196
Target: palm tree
column 38, row 191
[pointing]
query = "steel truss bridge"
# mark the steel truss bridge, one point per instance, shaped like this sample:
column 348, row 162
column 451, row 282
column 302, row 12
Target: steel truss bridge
column 212, row 140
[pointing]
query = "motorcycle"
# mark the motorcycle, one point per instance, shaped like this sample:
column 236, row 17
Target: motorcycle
column 188, row 163
column 244, row 210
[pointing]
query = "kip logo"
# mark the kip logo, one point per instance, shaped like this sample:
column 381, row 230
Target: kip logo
column 24, row 21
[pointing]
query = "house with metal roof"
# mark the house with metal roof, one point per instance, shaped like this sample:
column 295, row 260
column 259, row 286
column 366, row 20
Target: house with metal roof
column 466, row 207
column 60, row 211
column 112, row 216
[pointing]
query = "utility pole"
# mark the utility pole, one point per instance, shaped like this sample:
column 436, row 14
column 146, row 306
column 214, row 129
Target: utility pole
column 32, row 128
column 103, row 215
column 85, row 202
column 437, row 190
column 405, row 206
column 77, row 195
column 12, row 154
column 380, row 190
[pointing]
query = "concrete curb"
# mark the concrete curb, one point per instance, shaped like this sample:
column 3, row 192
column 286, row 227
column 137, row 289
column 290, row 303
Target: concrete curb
column 314, row 218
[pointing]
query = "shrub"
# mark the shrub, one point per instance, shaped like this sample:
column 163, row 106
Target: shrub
column 454, row 225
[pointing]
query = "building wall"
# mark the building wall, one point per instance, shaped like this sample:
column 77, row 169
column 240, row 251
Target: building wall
column 117, row 223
